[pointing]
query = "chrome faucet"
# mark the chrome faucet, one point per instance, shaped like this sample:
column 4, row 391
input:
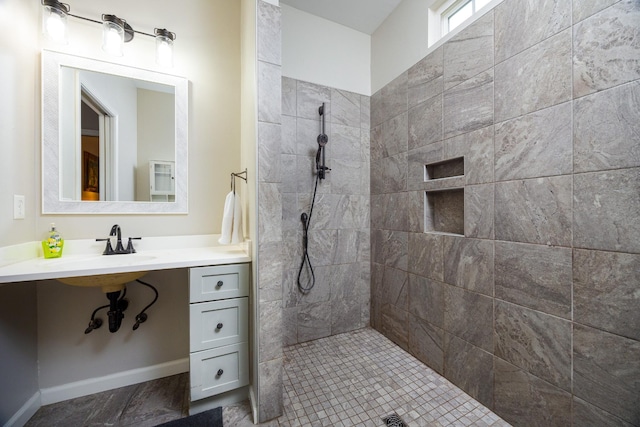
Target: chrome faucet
column 117, row 232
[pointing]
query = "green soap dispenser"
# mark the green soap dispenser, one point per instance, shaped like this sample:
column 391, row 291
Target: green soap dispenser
column 52, row 244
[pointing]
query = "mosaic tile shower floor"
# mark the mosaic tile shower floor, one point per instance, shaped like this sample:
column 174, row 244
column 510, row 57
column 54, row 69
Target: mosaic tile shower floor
column 357, row 378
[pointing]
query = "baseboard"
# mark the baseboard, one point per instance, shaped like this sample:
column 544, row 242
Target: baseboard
column 27, row 411
column 109, row 382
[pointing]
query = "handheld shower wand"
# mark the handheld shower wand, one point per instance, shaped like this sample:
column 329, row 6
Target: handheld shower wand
column 321, row 169
column 322, row 142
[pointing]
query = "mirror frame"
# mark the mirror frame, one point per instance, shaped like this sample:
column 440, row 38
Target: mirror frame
column 51, row 180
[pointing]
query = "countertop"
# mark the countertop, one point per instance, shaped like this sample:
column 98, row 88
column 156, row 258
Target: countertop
column 25, row 262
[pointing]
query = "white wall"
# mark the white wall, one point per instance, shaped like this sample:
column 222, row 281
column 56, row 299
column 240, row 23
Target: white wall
column 320, row 51
column 400, row 42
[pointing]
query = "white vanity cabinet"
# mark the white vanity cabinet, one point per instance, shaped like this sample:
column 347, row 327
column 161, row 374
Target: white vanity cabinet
column 218, row 329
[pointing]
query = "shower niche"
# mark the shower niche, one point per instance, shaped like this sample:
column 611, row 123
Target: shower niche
column 444, row 197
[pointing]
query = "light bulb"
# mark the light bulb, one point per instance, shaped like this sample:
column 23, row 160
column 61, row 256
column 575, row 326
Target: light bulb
column 54, row 24
column 164, row 52
column 112, row 38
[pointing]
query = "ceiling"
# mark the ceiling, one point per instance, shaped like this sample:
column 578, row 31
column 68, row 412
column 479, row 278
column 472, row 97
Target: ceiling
column 362, row 15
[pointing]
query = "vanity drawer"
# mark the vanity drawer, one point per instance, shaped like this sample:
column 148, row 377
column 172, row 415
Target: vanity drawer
column 218, row 323
column 218, row 282
column 218, row 370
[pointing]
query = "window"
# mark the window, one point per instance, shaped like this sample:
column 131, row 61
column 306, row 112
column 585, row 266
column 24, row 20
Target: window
column 446, row 15
column 459, row 12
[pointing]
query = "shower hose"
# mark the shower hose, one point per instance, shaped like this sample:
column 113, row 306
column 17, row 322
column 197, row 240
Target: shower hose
column 306, row 222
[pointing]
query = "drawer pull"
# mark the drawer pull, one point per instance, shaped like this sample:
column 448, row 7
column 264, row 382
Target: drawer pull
column 219, row 284
column 219, row 326
column 219, row 373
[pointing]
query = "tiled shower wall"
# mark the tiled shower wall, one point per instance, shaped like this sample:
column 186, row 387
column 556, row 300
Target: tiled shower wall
column 535, row 309
column 339, row 236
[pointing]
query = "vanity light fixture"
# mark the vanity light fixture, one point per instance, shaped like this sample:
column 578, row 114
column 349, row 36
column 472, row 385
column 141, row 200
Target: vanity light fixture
column 115, row 31
column 54, row 20
column 164, row 47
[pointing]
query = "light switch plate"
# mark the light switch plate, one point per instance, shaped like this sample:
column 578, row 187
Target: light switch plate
column 18, row 206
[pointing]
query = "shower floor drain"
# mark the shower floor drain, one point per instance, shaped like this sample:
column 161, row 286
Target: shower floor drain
column 394, row 420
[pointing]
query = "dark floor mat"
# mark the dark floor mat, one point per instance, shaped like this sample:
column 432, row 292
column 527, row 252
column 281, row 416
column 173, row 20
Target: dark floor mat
column 210, row 418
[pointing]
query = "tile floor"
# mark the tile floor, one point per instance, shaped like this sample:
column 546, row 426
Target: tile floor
column 352, row 379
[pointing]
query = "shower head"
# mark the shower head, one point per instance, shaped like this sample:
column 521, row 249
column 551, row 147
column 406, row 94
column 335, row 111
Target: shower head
column 323, row 139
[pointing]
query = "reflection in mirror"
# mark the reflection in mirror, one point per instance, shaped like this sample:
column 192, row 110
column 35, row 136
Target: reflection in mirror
column 114, row 138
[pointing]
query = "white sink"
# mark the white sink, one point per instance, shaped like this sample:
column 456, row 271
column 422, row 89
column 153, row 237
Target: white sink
column 111, row 282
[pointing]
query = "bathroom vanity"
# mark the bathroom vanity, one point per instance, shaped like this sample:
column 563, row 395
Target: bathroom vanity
column 219, row 283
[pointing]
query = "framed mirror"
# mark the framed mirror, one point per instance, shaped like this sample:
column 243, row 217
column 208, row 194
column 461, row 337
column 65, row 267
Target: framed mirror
column 114, row 138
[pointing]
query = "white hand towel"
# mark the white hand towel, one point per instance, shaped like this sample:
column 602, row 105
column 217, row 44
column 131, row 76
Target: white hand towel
column 237, row 235
column 227, row 219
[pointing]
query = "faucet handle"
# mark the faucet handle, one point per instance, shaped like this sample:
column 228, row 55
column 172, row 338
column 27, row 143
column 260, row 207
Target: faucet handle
column 130, row 249
column 109, row 249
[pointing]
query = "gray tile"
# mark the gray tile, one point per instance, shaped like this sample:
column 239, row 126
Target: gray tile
column 344, row 143
column 390, row 174
column 534, row 341
column 288, row 137
column 605, row 206
column 395, row 324
column 322, row 246
column 587, row 415
column 479, row 211
column 394, row 97
column 352, row 212
column 269, row 147
column 520, row 25
column 269, row 33
column 606, row 50
column 605, row 291
column 427, row 69
column 345, row 176
column 309, row 97
column 345, row 298
column 415, row 205
column 377, row 109
column 606, row 371
column 289, row 89
column 270, row 266
column 346, row 247
column 534, row 211
column 394, row 136
column 537, row 78
column 477, row 149
column 289, row 183
column 535, row 145
column 307, row 131
column 426, row 299
column 345, row 108
column 389, row 248
column 468, row 263
column 469, row 316
column 269, row 92
column 270, row 321
column 425, row 91
column 269, row 212
column 365, row 112
column 606, row 129
column 395, row 288
column 469, row 52
column 522, row 399
column 270, row 390
column 534, row 276
column 469, row 105
column 470, row 368
column 389, row 211
column 425, row 123
column 314, row 321
column 585, row 8
column 425, row 255
column 426, row 342
column 417, row 160
column 445, row 211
